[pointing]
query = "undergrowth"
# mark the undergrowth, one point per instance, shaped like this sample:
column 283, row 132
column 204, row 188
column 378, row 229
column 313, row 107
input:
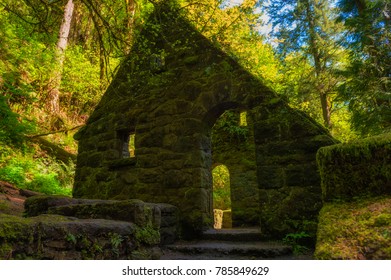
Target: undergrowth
column 34, row 170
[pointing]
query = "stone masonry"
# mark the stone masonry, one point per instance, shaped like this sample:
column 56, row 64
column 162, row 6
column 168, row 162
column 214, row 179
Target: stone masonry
column 169, row 93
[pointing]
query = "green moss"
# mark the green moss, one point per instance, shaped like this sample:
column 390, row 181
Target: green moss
column 190, row 60
column 382, row 220
column 355, row 230
column 12, row 227
column 356, row 169
column 14, row 232
column 3, row 206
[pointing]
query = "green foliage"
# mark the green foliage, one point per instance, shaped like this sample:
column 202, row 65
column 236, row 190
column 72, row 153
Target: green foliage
column 81, row 86
column 221, row 188
column 234, row 29
column 12, row 130
column 13, row 174
column 147, row 235
column 367, row 85
column 229, row 122
column 47, row 184
column 71, row 238
column 116, row 240
column 296, row 241
column 42, row 175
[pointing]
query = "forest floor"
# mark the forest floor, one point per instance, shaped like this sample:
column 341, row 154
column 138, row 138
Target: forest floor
column 368, row 223
column 11, row 199
column 12, row 203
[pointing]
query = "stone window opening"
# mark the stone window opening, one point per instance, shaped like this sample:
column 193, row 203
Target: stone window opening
column 221, row 197
column 128, row 144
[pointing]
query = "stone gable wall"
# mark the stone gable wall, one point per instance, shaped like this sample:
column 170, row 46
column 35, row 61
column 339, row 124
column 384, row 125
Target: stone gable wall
column 170, row 95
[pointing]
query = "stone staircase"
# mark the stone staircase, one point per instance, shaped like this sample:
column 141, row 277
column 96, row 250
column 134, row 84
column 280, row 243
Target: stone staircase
column 228, row 244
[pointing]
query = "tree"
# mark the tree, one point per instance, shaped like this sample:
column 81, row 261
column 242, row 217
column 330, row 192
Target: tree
column 367, row 88
column 308, row 27
column 234, row 29
column 53, row 100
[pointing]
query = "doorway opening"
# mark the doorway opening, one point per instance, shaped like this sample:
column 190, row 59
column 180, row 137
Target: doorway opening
column 221, row 197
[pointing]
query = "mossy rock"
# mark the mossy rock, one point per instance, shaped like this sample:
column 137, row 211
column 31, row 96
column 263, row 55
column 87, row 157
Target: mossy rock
column 59, row 237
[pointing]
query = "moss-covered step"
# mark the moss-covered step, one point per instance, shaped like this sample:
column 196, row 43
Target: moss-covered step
column 59, row 237
column 161, row 216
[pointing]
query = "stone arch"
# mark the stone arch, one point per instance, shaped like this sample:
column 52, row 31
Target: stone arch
column 238, row 154
column 216, row 111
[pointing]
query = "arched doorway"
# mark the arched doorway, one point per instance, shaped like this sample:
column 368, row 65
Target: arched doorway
column 232, row 144
column 221, row 197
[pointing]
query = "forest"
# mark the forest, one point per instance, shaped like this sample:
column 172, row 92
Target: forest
column 328, row 58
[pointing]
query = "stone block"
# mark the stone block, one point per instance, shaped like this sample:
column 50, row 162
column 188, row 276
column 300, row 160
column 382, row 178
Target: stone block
column 170, row 140
column 131, row 211
column 302, row 175
column 150, row 175
column 271, row 177
column 265, row 132
column 183, row 106
column 193, row 89
column 148, row 161
column 129, row 177
column 173, row 164
column 168, row 235
column 289, row 209
column 95, row 159
column 104, row 176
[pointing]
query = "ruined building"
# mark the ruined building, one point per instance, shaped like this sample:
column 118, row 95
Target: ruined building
column 150, row 137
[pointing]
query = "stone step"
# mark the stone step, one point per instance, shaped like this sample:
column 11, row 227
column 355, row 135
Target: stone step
column 226, row 250
column 234, row 234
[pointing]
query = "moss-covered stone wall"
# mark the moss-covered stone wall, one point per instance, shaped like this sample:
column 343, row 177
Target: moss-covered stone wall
column 57, row 237
column 169, row 93
column 357, row 169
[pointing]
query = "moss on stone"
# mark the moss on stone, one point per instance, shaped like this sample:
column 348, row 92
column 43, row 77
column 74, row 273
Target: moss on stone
column 58, row 237
column 39, row 204
column 355, row 230
column 356, row 169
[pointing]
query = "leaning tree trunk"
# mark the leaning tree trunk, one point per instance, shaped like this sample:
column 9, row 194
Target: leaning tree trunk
column 53, row 101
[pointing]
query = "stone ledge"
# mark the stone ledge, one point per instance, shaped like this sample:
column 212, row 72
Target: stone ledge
column 160, row 216
column 58, row 237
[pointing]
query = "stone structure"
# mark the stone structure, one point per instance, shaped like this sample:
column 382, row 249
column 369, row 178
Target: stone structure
column 58, row 227
column 166, row 97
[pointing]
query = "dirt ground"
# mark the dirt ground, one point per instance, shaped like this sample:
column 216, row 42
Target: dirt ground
column 12, row 199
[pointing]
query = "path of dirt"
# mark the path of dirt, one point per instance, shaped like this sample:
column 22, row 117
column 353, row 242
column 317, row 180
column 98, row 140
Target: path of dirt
column 12, row 199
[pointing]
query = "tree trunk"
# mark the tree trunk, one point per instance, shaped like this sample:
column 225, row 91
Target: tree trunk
column 53, row 102
column 315, row 52
column 130, row 12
